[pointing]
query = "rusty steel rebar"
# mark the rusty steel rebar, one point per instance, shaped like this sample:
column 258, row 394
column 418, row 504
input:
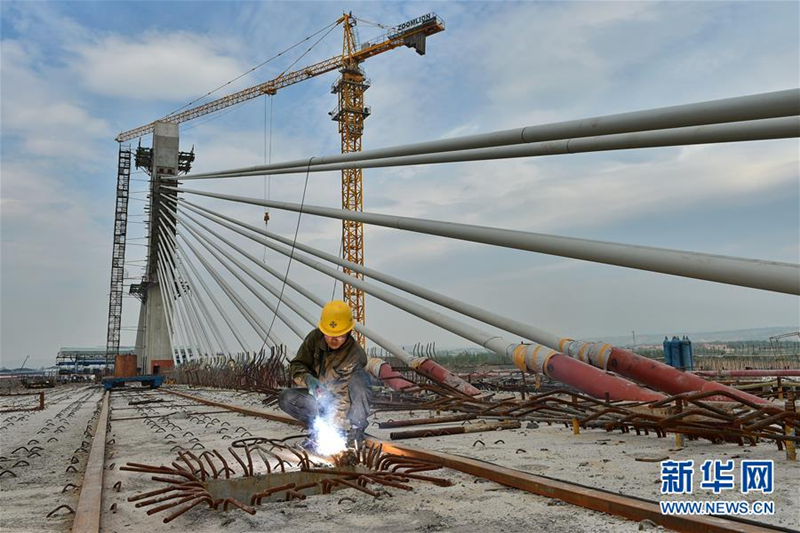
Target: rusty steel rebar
column 191, row 487
column 455, row 430
column 425, row 421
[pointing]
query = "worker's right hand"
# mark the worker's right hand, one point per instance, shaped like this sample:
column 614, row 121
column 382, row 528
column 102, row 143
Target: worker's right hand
column 315, row 388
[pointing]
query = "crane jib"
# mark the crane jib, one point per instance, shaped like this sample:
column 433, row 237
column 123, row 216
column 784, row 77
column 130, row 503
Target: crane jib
column 426, row 24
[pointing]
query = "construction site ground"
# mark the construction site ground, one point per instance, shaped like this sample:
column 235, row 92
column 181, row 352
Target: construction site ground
column 593, row 458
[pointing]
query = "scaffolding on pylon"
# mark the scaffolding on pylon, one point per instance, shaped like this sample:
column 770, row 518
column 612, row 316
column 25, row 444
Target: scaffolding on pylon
column 118, row 254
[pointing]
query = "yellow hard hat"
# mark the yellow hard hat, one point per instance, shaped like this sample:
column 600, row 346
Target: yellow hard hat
column 336, row 319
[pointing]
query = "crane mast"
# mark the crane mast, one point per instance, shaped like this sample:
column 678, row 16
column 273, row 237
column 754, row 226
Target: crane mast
column 350, row 113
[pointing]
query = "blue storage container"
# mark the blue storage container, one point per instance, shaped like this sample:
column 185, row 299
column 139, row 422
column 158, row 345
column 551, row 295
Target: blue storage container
column 687, row 356
column 678, row 353
column 667, row 352
column 675, row 346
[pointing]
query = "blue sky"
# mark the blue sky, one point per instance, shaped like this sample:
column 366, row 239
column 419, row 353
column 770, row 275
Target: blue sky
column 74, row 74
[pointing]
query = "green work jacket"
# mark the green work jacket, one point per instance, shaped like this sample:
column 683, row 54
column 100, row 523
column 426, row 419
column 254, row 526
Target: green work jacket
column 331, row 367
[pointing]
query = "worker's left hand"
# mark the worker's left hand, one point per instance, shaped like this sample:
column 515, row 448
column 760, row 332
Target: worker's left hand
column 315, row 388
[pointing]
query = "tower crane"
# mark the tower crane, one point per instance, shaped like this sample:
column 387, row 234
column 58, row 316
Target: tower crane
column 350, row 113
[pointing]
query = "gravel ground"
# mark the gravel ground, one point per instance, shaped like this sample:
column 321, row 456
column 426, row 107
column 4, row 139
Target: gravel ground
column 595, row 458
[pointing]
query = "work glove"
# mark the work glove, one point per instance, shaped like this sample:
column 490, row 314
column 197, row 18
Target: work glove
column 315, row 388
column 355, row 438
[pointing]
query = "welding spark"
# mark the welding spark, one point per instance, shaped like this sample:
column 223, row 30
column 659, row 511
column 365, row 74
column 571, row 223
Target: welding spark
column 328, row 437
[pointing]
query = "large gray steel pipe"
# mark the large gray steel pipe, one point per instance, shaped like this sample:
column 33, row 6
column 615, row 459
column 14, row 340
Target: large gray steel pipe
column 236, row 334
column 261, row 329
column 203, row 310
column 168, row 264
column 742, row 108
column 422, row 365
column 205, row 313
column 766, row 275
column 180, row 302
column 375, row 366
column 183, row 295
column 169, row 294
column 190, row 343
column 528, row 357
column 291, row 324
column 205, row 241
column 196, row 328
column 516, row 327
column 169, row 315
column 601, row 355
column 249, row 314
column 754, row 130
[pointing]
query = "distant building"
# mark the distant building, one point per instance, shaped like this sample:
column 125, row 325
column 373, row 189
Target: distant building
column 715, row 348
column 80, row 360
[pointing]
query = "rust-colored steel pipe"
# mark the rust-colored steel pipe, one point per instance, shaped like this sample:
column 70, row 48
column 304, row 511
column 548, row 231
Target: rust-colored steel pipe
column 439, row 374
column 652, row 373
column 595, row 382
column 423, row 366
column 390, row 377
column 668, row 379
column 597, row 354
column 581, row 375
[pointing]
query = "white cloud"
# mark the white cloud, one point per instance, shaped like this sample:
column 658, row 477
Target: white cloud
column 48, row 221
column 172, row 66
column 539, row 63
column 48, row 120
column 548, row 58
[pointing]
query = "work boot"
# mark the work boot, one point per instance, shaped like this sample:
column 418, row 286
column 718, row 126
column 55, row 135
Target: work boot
column 355, row 438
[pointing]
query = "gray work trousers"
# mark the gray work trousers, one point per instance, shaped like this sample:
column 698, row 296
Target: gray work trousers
column 302, row 406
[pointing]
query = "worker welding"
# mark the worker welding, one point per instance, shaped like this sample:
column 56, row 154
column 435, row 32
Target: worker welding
column 333, row 395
